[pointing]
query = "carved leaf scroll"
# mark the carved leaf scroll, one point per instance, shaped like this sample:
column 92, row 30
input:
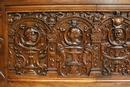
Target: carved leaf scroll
column 69, row 43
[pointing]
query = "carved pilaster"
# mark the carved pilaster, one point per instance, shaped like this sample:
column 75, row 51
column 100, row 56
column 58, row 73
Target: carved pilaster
column 96, row 41
column 52, row 69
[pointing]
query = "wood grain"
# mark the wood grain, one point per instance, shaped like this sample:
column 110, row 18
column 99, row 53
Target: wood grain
column 113, row 7
column 50, row 8
column 67, row 2
column 72, row 84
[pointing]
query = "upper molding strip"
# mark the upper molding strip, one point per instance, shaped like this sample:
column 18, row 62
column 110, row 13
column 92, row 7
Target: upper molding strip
column 67, row 2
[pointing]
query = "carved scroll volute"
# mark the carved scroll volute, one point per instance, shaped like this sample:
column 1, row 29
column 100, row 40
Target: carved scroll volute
column 73, row 48
column 115, row 48
column 28, row 53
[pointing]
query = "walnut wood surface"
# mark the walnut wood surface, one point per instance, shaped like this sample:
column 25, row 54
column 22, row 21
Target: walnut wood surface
column 70, row 2
column 69, row 43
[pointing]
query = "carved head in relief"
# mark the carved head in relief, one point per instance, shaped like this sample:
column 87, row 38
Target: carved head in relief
column 118, row 34
column 31, row 36
column 75, row 35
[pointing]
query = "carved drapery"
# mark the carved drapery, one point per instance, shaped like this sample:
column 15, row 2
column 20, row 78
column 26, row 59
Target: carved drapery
column 70, row 43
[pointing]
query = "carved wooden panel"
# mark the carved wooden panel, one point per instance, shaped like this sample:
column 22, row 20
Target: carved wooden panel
column 69, row 43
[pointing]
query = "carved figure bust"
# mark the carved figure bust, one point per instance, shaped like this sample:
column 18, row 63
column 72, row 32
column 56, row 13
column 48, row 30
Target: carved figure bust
column 118, row 35
column 117, row 20
column 31, row 36
column 75, row 34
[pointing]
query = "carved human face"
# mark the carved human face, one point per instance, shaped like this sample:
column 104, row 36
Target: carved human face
column 74, row 34
column 118, row 34
column 31, row 35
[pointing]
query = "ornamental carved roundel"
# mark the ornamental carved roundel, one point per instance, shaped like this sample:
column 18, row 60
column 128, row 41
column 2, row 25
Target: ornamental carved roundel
column 30, row 32
column 31, row 36
column 117, row 36
column 74, row 31
column 74, row 36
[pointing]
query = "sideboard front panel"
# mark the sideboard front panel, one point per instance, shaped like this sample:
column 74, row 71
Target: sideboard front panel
column 81, row 44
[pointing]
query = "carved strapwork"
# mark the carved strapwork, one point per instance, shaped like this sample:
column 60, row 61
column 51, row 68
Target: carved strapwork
column 115, row 49
column 27, row 38
column 74, row 46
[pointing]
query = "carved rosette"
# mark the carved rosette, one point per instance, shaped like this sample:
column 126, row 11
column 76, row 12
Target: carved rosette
column 28, row 49
column 73, row 49
column 115, row 51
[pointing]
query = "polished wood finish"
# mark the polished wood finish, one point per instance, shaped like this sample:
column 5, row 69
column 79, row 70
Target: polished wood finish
column 67, row 2
column 68, row 43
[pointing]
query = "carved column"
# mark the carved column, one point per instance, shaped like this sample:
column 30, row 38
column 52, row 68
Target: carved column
column 52, row 40
column 96, row 41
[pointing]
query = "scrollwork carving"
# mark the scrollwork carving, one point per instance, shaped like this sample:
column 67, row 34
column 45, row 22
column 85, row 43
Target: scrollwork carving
column 28, row 44
column 74, row 35
column 69, row 43
column 115, row 49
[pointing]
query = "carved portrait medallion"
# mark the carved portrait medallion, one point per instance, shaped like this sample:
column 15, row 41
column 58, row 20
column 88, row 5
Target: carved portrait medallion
column 117, row 36
column 31, row 36
column 74, row 36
